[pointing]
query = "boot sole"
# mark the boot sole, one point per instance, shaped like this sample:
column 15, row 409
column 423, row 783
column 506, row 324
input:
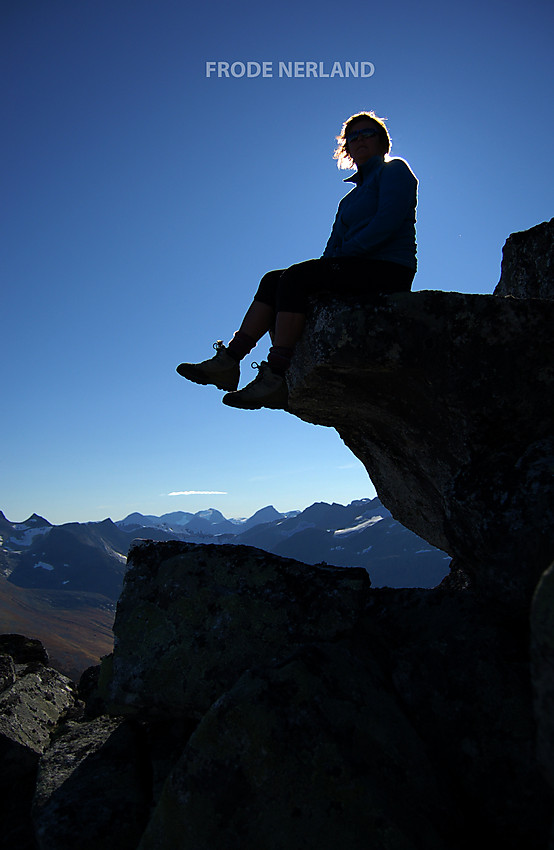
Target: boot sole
column 240, row 404
column 191, row 373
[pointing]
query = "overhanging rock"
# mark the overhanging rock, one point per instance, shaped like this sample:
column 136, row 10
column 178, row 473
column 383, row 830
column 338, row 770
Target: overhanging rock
column 448, row 401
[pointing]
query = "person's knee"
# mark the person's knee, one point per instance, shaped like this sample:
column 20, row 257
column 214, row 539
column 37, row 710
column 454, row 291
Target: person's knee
column 267, row 289
column 295, row 284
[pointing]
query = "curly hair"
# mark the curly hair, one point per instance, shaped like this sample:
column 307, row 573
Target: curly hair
column 341, row 154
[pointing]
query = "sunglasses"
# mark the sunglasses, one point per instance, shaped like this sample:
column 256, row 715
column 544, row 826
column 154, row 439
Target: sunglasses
column 361, row 134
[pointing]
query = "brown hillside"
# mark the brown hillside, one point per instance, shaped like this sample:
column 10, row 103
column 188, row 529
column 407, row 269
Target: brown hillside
column 75, row 637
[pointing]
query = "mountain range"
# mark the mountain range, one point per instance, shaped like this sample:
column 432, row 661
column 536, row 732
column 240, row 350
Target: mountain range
column 60, row 583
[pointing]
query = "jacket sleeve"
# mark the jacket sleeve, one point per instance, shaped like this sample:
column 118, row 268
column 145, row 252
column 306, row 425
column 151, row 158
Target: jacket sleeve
column 333, row 241
column 397, row 197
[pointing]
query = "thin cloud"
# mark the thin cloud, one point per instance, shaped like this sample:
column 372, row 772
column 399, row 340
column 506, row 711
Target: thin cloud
column 198, row 493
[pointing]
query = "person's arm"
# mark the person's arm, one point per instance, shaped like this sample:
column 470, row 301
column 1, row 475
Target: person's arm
column 333, row 240
column 397, row 196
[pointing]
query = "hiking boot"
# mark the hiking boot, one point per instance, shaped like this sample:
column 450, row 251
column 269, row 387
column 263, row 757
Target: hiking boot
column 222, row 370
column 266, row 390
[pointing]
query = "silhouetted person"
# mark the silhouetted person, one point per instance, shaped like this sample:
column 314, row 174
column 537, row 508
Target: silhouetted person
column 371, row 249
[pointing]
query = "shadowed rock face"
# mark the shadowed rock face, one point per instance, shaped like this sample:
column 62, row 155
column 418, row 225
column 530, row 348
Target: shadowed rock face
column 319, row 708
column 33, row 699
column 542, row 669
column 193, row 618
column 92, row 780
column 448, row 401
column 292, row 750
column 528, row 263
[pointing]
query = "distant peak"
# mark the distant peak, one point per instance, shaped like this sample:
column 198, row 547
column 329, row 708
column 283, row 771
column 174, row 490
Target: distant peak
column 36, row 521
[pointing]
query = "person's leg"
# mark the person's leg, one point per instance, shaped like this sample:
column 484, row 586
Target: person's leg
column 356, row 276
column 285, row 326
column 359, row 277
column 288, row 330
column 294, row 285
column 269, row 389
column 344, row 275
column 259, row 319
column 223, row 370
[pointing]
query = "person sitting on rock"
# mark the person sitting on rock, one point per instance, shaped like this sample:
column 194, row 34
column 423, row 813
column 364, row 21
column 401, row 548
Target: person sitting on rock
column 371, row 249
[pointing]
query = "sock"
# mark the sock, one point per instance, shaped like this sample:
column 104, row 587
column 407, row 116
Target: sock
column 241, row 345
column 279, row 359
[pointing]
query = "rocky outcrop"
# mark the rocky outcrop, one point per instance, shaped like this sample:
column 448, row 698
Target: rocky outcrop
column 311, row 752
column 255, row 702
column 194, row 618
column 542, row 659
column 33, row 699
column 447, row 399
column 93, row 787
column 528, row 263
column 406, row 716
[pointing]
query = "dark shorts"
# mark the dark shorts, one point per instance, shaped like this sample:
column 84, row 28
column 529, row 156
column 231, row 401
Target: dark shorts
column 289, row 289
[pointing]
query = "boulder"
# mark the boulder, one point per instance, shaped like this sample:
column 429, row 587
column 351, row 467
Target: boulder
column 31, row 707
column 448, row 669
column 528, row 263
column 7, row 673
column 33, row 699
column 460, row 669
column 23, row 650
column 93, row 787
column 191, row 619
column 313, row 752
column 542, row 668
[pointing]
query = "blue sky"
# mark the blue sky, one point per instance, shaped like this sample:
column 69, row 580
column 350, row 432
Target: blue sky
column 142, row 202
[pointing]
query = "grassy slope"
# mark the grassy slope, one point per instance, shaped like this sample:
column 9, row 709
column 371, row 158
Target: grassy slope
column 75, row 628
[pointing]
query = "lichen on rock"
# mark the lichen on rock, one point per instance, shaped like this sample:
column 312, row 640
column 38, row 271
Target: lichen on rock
column 313, row 752
column 33, row 699
column 192, row 619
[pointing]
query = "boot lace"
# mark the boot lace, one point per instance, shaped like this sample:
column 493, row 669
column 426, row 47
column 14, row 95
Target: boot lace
column 261, row 368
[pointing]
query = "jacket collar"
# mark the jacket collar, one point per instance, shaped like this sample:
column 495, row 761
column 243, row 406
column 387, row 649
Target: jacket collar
column 365, row 170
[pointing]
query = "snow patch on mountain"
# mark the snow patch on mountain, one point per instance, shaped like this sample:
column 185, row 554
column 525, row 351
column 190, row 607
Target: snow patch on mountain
column 119, row 556
column 301, row 526
column 27, row 535
column 355, row 529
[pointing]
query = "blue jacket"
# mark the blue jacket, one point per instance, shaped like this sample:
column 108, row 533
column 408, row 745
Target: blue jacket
column 377, row 217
